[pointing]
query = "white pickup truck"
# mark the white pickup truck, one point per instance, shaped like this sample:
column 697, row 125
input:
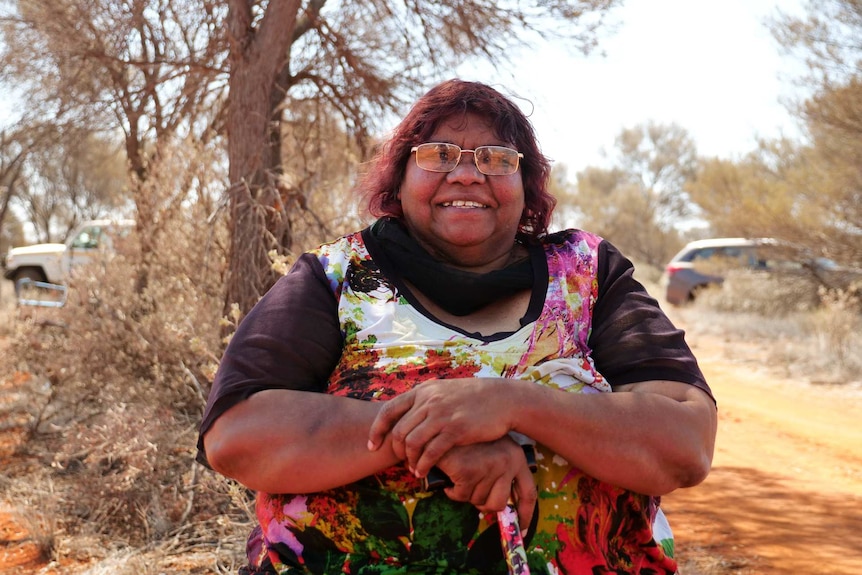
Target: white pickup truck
column 53, row 263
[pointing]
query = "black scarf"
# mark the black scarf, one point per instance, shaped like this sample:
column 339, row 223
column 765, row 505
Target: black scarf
column 457, row 291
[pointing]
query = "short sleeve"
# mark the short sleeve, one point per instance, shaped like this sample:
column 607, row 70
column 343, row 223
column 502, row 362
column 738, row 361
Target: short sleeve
column 290, row 340
column 632, row 339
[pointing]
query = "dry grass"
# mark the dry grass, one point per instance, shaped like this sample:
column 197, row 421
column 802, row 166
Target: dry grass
column 7, row 307
column 802, row 332
column 799, row 328
column 108, row 393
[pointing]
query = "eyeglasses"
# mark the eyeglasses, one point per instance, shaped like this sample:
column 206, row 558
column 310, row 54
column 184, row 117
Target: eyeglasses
column 490, row 160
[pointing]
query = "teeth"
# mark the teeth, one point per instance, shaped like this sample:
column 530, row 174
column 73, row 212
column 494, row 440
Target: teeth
column 463, row 204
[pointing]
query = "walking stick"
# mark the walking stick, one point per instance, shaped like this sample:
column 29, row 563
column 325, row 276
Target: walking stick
column 512, row 541
column 510, row 527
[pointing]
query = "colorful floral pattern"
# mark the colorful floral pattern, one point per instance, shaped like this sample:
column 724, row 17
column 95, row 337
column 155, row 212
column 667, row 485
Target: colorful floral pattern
column 386, row 524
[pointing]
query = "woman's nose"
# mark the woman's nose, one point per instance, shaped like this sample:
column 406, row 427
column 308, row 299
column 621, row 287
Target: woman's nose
column 466, row 171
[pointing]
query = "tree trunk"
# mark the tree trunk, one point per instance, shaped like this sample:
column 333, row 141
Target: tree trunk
column 258, row 221
column 8, row 179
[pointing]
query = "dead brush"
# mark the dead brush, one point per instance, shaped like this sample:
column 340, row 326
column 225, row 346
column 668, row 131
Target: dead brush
column 767, row 295
column 811, row 332
column 126, row 372
column 837, row 328
column 33, row 504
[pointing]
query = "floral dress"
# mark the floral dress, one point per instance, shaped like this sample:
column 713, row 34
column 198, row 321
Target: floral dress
column 386, row 524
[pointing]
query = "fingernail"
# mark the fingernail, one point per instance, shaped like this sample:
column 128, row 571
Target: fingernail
column 371, row 445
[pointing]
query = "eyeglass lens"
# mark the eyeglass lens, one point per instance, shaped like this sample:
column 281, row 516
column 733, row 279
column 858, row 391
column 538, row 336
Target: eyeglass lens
column 490, row 160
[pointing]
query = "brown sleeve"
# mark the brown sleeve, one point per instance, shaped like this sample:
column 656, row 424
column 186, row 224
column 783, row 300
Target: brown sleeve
column 290, row 340
column 632, row 339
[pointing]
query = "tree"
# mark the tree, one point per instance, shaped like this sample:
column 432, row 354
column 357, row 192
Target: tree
column 150, row 70
column 639, row 202
column 17, row 143
column 616, row 208
column 71, row 177
column 833, row 186
column 828, row 38
column 804, row 195
column 751, row 196
column 157, row 69
column 659, row 159
column 363, row 59
column 12, row 157
column 319, row 159
column 566, row 213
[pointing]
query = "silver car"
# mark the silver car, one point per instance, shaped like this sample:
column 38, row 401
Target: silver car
column 704, row 263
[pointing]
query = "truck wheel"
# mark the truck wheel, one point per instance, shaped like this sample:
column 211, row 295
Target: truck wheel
column 28, row 273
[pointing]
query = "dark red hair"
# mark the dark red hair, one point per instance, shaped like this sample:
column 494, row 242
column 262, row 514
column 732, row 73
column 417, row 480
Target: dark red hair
column 382, row 177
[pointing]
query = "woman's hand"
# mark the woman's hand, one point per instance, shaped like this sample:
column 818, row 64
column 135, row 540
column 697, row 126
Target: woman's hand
column 489, row 474
column 427, row 421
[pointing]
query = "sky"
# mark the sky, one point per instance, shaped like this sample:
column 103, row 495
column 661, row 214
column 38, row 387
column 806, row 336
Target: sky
column 710, row 66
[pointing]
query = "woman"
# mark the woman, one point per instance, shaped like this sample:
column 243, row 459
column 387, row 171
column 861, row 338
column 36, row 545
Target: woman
column 424, row 340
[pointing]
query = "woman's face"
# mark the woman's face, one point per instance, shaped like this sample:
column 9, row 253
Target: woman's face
column 463, row 217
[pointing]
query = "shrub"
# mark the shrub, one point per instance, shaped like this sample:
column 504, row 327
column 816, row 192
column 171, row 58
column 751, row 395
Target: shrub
column 810, row 331
column 120, row 376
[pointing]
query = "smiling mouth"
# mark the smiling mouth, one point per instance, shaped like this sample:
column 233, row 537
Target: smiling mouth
column 463, row 204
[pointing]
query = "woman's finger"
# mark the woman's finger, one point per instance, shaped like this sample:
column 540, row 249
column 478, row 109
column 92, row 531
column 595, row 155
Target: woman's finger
column 498, row 495
column 425, row 445
column 390, row 413
column 526, row 495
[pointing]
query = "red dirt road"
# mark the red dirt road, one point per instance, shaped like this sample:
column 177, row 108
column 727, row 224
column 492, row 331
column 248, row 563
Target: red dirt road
column 785, row 492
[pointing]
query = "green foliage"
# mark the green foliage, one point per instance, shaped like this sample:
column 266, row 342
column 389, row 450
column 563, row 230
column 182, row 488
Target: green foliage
column 828, row 178
column 74, row 176
column 638, row 203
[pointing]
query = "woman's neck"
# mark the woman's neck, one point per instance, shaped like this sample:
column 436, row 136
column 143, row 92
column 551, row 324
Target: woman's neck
column 478, row 264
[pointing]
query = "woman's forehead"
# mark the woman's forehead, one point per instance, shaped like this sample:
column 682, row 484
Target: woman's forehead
column 475, row 125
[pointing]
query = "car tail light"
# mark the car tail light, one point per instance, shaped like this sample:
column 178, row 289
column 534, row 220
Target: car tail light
column 673, row 268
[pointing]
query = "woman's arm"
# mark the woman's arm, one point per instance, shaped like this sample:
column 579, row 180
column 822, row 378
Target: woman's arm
column 650, row 437
column 285, row 441
column 268, row 422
